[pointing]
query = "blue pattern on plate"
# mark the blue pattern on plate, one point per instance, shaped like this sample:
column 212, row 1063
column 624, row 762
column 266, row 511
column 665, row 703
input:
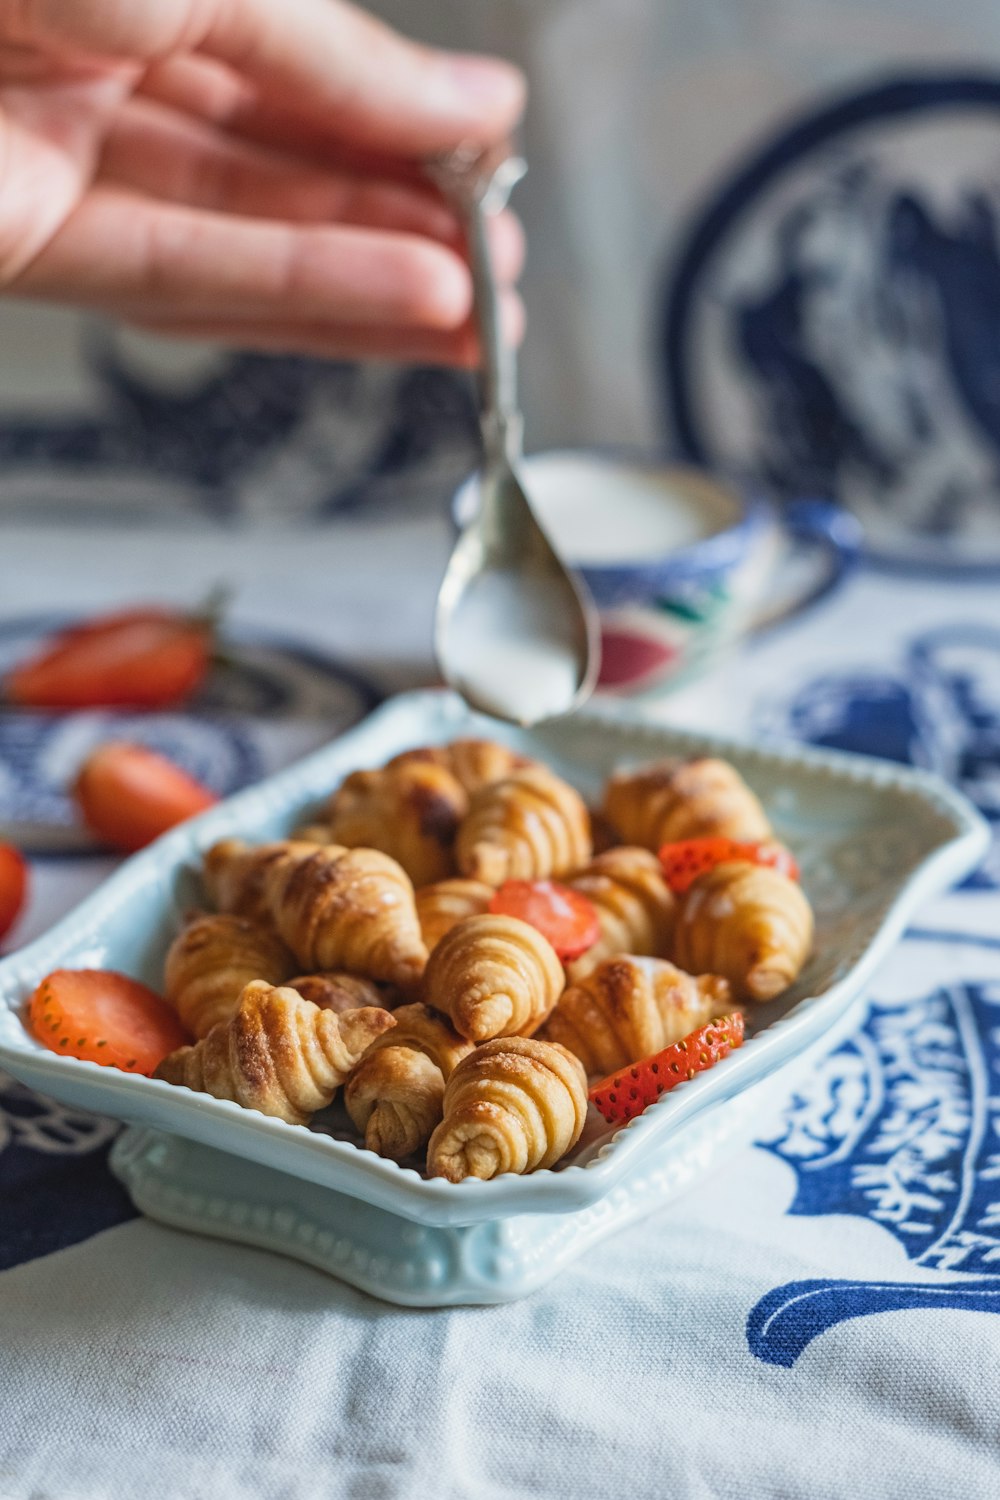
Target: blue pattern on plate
column 847, row 308
column 219, row 738
column 900, row 1125
column 347, row 433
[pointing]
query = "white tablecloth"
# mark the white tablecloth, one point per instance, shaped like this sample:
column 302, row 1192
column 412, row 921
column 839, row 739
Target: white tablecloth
column 817, row 1319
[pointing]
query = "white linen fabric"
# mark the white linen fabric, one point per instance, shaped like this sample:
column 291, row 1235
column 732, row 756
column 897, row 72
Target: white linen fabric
column 765, row 231
column 816, row 1319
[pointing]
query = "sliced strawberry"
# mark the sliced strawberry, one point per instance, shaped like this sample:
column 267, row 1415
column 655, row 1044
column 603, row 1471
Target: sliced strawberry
column 104, row 1017
column 129, row 795
column 623, row 1095
column 13, row 886
column 564, row 916
column 684, row 861
column 138, row 658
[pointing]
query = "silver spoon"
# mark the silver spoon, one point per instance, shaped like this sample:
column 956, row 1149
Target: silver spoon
column 515, row 632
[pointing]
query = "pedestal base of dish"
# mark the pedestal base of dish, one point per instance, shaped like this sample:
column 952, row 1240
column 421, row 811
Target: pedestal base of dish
column 194, row 1187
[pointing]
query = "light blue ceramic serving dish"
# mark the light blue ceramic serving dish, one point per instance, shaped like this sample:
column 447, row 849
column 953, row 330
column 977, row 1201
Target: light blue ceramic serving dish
column 874, row 841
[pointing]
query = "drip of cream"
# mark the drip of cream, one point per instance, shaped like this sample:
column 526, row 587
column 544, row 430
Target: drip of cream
column 508, row 649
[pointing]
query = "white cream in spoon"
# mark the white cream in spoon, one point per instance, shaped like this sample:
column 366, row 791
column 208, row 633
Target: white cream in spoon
column 508, row 651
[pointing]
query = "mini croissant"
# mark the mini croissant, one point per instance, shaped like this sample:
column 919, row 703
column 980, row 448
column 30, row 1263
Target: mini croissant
column 411, row 811
column 513, row 1105
column 747, row 922
column 628, row 1008
column 634, row 906
column 668, row 800
column 278, row 1054
column 347, row 909
column 212, row 960
column 473, row 763
column 340, row 992
column 531, row 825
column 494, row 976
column 236, row 875
column 441, row 905
column 396, row 1091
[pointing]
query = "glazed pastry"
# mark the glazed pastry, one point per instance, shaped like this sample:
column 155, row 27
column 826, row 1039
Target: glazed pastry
column 212, row 960
column 395, row 1093
column 634, row 906
column 441, row 905
column 473, row 763
column 340, row 992
column 278, row 1054
column 668, row 800
column 629, row 1007
column 513, row 1105
column 236, row 875
column 347, row 909
column 494, row 976
column 602, row 835
column 531, row 825
column 313, row 833
column 747, row 922
column 410, row 811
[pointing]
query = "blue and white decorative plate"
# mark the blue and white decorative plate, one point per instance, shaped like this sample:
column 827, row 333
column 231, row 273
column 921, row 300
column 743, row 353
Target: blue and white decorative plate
column 833, row 320
column 874, row 841
column 268, row 704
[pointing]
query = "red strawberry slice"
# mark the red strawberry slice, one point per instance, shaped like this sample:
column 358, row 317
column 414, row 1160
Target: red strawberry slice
column 562, row 915
column 684, row 861
column 13, row 886
column 623, row 1095
column 137, row 658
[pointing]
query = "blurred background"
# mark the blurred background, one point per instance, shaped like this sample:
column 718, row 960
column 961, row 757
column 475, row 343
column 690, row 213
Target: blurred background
column 763, row 232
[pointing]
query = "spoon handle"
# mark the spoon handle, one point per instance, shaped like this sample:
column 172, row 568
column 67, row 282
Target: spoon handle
column 478, row 183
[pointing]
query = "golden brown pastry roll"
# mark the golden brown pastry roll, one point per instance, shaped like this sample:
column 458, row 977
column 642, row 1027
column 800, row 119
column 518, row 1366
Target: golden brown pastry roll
column 494, row 976
column 212, row 960
column 236, row 875
column 669, row 800
column 634, row 906
column 527, row 827
column 441, row 905
column 340, row 992
column 629, row 1007
column 474, row 763
column 395, row 1093
column 513, row 1105
column 747, row 922
column 410, row 811
column 347, row 909
column 278, row 1054
column 313, row 833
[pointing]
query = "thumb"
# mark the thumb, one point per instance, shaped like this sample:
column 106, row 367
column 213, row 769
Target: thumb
column 324, row 58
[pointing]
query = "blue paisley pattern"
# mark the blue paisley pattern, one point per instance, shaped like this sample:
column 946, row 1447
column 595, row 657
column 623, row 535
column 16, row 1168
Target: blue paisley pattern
column 940, row 709
column 900, row 1125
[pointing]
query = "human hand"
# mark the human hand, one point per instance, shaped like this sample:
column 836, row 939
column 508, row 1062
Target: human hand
column 238, row 170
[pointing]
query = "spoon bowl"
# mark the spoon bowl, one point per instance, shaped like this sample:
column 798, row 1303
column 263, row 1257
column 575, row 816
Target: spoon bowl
column 516, row 634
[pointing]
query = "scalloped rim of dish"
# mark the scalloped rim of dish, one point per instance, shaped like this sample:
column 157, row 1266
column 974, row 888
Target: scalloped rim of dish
column 348, row 1168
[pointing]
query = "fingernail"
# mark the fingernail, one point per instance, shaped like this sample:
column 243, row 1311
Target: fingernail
column 486, row 80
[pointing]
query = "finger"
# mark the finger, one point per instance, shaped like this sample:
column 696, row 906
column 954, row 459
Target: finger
column 175, row 157
column 333, row 341
column 370, row 84
column 183, row 160
column 211, row 91
column 120, row 247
